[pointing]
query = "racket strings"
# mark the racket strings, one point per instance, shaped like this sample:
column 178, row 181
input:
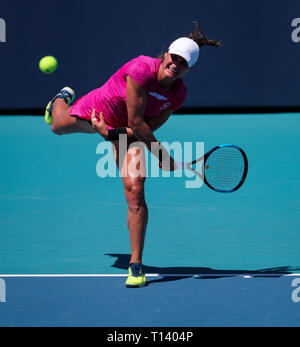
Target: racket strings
column 224, row 168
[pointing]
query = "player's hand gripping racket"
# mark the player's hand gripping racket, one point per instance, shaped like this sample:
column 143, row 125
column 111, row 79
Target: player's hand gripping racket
column 224, row 168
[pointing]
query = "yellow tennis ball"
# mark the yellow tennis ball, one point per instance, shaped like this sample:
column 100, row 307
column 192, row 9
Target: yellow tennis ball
column 48, row 64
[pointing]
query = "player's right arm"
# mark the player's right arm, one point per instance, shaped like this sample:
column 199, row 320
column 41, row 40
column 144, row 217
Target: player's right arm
column 136, row 98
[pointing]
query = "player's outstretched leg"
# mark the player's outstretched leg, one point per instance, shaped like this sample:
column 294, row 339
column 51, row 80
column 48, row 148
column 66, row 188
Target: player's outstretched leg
column 67, row 94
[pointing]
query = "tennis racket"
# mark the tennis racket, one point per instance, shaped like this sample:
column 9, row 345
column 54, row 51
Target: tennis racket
column 224, row 168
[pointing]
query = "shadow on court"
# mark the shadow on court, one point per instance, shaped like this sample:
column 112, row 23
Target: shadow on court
column 178, row 273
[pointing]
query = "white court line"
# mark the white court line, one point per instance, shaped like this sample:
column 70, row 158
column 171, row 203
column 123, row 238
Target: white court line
column 246, row 275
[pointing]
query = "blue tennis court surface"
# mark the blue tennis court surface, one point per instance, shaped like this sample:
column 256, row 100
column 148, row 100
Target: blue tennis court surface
column 215, row 259
column 173, row 301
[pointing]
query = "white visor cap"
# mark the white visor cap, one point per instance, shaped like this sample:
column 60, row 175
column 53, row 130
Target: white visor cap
column 186, row 48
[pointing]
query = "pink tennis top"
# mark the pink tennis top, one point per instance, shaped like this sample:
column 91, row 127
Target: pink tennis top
column 110, row 99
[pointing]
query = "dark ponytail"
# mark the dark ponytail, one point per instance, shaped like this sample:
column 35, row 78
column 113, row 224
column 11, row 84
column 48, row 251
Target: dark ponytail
column 198, row 36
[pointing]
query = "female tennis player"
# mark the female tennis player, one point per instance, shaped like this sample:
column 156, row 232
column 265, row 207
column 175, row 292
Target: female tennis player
column 137, row 100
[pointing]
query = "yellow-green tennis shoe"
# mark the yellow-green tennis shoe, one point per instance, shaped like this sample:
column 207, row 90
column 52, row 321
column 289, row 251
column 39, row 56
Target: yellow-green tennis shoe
column 136, row 277
column 48, row 117
column 67, row 94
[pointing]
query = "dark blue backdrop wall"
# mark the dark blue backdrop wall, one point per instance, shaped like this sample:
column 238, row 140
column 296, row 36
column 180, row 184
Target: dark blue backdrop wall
column 258, row 64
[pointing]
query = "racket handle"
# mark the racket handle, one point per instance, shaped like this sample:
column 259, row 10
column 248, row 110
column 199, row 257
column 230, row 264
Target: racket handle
column 180, row 165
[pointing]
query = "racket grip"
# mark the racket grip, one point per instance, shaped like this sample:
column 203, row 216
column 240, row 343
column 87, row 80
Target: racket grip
column 180, row 165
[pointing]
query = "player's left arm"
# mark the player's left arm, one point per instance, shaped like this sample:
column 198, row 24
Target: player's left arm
column 156, row 122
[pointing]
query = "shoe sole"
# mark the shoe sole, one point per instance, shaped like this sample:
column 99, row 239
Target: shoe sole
column 135, row 286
